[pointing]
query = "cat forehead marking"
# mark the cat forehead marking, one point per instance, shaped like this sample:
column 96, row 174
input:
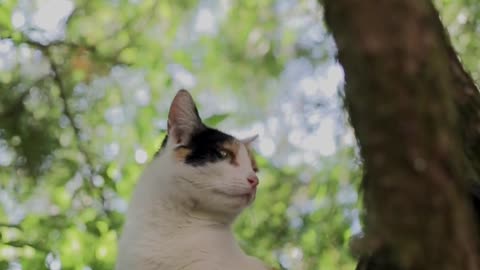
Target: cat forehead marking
column 204, row 148
column 233, row 146
column 252, row 158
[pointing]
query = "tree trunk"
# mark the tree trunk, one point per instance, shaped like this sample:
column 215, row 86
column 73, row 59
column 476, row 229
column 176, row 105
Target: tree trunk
column 416, row 116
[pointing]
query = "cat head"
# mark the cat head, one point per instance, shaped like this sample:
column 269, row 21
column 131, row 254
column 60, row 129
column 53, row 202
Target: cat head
column 214, row 170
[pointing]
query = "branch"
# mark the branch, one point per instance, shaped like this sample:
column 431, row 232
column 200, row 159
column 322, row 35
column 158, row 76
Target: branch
column 76, row 130
column 67, row 110
column 467, row 102
column 8, row 225
column 92, row 49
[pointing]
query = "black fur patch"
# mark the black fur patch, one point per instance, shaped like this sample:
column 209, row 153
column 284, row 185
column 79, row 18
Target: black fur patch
column 205, row 146
column 164, row 143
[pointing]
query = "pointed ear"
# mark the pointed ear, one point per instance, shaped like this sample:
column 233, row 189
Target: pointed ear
column 248, row 141
column 183, row 118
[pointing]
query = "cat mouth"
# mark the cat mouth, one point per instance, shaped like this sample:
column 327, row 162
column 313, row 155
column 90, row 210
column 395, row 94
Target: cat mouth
column 247, row 195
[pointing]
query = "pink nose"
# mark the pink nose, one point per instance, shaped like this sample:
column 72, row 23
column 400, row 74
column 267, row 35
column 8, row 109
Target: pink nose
column 253, row 180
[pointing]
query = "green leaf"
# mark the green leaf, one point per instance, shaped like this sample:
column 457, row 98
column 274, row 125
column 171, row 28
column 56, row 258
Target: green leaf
column 216, row 119
column 5, row 15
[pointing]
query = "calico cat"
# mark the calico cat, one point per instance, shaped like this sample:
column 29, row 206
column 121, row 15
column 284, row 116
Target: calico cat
column 188, row 197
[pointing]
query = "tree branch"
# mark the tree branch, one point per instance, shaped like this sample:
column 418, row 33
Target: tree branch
column 92, row 49
column 8, row 225
column 467, row 102
column 67, row 110
column 76, row 129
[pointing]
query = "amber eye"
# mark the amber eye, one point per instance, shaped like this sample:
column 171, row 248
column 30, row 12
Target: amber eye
column 224, row 154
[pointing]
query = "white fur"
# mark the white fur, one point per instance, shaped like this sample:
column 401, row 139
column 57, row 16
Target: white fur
column 180, row 216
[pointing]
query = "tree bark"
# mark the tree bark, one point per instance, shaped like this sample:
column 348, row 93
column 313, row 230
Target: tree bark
column 415, row 112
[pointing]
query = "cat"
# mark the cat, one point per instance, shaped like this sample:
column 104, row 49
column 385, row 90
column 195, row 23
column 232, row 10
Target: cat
column 187, row 198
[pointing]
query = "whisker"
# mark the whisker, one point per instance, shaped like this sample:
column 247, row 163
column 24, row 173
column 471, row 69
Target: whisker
column 251, row 215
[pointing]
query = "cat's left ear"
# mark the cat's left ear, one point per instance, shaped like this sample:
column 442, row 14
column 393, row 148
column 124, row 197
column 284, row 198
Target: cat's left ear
column 250, row 140
column 183, row 118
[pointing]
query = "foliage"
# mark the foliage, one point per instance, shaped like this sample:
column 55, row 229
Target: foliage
column 462, row 19
column 84, row 93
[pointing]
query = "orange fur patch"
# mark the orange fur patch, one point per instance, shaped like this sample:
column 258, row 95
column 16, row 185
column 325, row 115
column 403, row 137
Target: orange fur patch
column 232, row 147
column 252, row 158
column 181, row 153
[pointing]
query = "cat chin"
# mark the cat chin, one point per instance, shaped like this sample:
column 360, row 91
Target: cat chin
column 238, row 195
column 239, row 202
column 231, row 204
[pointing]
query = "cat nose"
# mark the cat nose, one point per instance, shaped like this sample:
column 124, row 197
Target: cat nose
column 253, row 180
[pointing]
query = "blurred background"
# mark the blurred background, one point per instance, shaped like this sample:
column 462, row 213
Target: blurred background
column 85, row 87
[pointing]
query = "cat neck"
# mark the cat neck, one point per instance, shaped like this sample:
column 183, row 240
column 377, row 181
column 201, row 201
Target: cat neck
column 172, row 217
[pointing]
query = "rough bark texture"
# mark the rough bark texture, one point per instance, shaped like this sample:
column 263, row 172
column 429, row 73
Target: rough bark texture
column 467, row 103
column 415, row 112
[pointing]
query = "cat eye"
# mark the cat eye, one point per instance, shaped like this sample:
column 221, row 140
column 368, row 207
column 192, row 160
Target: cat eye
column 224, row 154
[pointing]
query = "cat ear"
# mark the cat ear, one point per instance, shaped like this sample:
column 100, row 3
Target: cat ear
column 248, row 141
column 183, row 118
